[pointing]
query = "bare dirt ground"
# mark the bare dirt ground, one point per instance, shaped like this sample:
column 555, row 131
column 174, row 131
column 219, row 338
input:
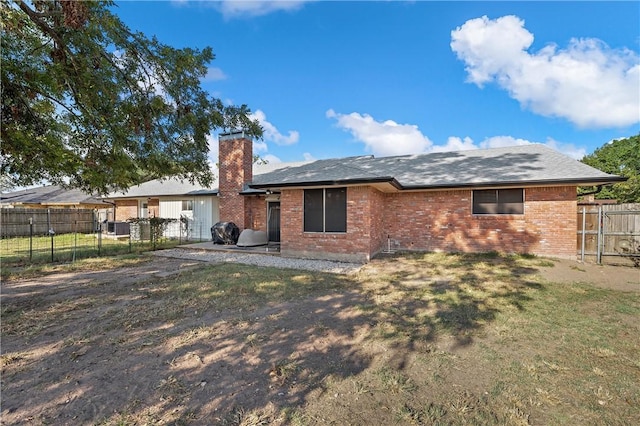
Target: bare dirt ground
column 72, row 361
column 82, row 369
column 623, row 278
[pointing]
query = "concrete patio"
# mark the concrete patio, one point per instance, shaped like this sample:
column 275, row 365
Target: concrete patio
column 270, row 249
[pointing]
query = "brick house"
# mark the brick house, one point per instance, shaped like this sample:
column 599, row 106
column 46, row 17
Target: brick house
column 201, row 207
column 518, row 199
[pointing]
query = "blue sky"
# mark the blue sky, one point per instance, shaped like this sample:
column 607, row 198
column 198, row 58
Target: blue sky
column 334, row 79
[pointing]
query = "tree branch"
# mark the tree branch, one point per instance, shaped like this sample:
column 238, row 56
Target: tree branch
column 36, row 18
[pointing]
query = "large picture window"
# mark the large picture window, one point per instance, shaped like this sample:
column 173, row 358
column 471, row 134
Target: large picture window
column 325, row 210
column 498, row 201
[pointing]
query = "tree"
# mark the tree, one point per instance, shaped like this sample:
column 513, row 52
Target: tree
column 620, row 157
column 89, row 103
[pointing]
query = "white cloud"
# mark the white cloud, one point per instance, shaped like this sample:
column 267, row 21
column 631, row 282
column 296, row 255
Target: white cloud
column 382, row 138
column 271, row 133
column 502, row 141
column 212, row 140
column 567, row 149
column 260, row 146
column 505, row 141
column 272, row 159
column 389, row 138
column 308, row 157
column 238, row 8
column 215, row 74
column 587, row 83
column 455, row 143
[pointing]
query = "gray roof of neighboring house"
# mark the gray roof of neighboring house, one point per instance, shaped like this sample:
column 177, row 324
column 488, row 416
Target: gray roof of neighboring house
column 176, row 187
column 514, row 165
column 163, row 187
column 50, row 195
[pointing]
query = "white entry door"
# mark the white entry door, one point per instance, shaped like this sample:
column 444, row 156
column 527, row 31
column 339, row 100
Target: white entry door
column 144, row 209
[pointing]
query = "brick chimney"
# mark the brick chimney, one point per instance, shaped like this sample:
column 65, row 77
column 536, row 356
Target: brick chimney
column 235, row 157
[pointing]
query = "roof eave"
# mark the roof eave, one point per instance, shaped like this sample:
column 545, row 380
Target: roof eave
column 213, row 192
column 563, row 182
column 339, row 182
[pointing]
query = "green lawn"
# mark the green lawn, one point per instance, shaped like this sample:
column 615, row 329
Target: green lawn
column 70, row 247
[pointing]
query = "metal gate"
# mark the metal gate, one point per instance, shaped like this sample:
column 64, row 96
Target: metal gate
column 609, row 233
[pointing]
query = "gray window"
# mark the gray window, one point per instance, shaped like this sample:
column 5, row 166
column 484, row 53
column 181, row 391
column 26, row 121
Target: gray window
column 498, row 201
column 325, row 210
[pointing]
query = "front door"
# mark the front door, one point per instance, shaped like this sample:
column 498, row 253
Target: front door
column 273, row 221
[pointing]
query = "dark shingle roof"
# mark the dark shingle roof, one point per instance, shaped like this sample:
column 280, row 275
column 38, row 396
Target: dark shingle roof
column 50, row 195
column 332, row 170
column 524, row 164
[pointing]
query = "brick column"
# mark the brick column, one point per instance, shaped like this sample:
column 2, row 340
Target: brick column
column 235, row 169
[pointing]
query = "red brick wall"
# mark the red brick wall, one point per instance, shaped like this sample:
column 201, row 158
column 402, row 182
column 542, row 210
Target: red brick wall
column 291, row 216
column 431, row 221
column 364, row 221
column 236, row 168
column 364, row 227
column 442, row 221
column 154, row 207
column 126, row 209
column 378, row 237
column 256, row 212
column 434, row 221
column 551, row 215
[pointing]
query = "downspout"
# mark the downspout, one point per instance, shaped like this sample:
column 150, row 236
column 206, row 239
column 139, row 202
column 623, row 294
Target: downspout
column 114, row 207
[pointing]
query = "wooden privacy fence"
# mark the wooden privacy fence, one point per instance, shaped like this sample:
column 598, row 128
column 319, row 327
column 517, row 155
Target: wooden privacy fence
column 22, row 222
column 609, row 233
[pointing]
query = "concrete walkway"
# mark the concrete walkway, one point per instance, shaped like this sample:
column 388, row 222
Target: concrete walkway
column 271, row 249
column 257, row 256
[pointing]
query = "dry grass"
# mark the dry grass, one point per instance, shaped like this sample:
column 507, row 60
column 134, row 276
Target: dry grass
column 484, row 340
column 19, row 271
column 424, row 339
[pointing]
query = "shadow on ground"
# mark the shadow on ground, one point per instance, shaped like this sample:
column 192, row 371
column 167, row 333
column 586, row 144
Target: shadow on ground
column 129, row 346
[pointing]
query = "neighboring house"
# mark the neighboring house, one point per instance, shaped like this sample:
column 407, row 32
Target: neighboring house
column 37, row 211
column 169, row 199
column 197, row 207
column 51, row 196
column 520, row 199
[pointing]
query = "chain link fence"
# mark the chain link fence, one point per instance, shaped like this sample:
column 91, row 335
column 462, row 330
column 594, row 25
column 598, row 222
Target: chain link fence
column 65, row 235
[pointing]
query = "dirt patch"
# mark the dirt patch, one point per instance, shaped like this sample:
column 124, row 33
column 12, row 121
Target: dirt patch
column 80, row 354
column 623, row 278
column 123, row 347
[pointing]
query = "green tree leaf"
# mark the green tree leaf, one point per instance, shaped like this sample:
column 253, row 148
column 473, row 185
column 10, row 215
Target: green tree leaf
column 89, row 103
column 620, row 157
